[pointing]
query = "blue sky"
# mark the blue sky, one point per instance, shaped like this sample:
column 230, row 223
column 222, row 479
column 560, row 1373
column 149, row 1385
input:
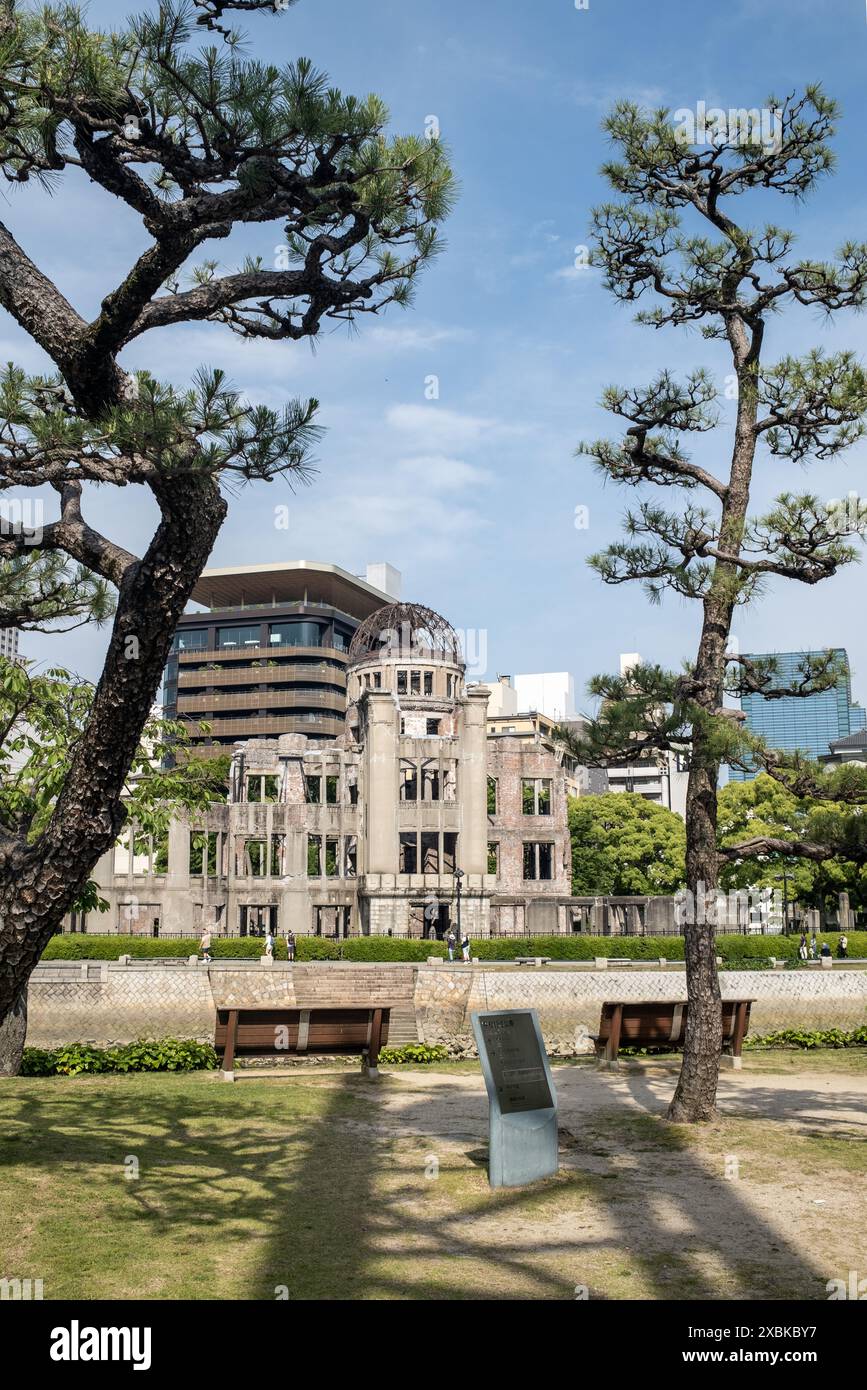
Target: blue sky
column 473, row 496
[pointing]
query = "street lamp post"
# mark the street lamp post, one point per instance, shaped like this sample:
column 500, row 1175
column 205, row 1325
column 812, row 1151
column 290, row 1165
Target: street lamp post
column 459, row 873
column 785, row 877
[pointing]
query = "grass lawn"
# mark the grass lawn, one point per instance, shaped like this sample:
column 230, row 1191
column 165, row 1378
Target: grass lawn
column 329, row 1187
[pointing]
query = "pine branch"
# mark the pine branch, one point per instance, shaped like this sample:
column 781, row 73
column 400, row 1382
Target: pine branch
column 767, row 844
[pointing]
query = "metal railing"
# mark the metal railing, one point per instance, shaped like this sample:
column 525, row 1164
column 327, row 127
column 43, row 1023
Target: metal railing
column 273, row 725
column 289, row 698
column 261, row 675
column 208, row 657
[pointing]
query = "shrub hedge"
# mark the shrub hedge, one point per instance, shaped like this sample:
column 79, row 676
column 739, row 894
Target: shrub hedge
column 807, row 1038
column 413, row 1052
column 736, row 951
column 80, row 1059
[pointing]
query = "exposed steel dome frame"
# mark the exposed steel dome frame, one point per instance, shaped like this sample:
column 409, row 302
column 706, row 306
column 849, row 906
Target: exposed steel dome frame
column 406, row 631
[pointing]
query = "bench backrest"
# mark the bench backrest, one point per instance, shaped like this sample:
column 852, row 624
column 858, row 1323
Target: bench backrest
column 270, row 1032
column 652, row 1024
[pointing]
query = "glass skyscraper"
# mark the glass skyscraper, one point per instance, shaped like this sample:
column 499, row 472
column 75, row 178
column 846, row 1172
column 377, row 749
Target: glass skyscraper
column 808, row 723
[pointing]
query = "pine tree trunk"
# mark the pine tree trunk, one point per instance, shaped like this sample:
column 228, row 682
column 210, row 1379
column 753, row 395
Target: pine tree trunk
column 40, row 881
column 13, row 1031
column 695, row 1096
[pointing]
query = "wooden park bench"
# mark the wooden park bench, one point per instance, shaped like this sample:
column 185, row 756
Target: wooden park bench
column 654, row 1024
column 279, row 1032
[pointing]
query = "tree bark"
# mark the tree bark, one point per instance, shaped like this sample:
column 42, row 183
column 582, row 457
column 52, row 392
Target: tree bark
column 39, row 882
column 13, row 1031
column 695, row 1095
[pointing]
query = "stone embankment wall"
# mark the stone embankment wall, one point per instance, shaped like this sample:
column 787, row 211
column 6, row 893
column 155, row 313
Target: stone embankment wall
column 104, row 1003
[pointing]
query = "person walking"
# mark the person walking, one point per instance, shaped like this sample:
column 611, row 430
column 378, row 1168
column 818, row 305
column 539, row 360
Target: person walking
column 802, row 946
column 205, row 945
column 269, row 944
column 843, row 947
column 465, row 946
column 451, row 943
column 290, row 945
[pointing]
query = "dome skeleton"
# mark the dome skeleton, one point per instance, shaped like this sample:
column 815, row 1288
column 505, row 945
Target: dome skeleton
column 406, row 630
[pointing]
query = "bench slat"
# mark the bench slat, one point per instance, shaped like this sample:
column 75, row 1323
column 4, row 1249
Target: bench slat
column 654, row 1024
column 271, row 1032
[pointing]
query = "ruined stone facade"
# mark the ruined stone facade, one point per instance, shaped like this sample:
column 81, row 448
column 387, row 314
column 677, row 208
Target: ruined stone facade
column 376, row 833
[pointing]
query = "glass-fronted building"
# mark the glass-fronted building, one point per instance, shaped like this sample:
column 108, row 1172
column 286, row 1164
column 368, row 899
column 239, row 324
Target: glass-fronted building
column 809, row 723
column 266, row 654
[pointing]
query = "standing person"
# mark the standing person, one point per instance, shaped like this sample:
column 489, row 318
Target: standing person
column 802, row 946
column 290, row 945
column 269, row 944
column 814, row 947
column 843, row 947
column 205, row 945
column 451, row 942
column 465, row 946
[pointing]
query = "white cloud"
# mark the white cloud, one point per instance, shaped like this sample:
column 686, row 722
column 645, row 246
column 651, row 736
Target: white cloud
column 450, row 429
column 408, row 338
column 573, row 273
column 440, row 473
column 414, row 525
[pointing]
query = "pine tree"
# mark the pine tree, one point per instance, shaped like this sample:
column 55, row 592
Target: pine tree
column 196, row 142
column 673, row 237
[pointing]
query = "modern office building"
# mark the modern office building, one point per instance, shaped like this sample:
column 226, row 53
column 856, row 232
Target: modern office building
column 810, row 723
column 661, row 777
column 9, row 643
column 266, row 655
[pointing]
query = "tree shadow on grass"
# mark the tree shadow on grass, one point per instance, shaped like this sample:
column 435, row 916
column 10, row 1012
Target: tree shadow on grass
column 336, row 1189
column 686, row 1230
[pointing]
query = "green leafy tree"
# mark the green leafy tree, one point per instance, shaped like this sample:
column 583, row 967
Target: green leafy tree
column 819, row 834
column 673, row 236
column 42, row 717
column 196, row 143
column 622, row 845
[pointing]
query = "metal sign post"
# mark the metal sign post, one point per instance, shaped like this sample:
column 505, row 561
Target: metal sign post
column 521, row 1095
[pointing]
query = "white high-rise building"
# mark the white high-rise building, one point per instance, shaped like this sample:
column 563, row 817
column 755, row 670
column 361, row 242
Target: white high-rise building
column 547, row 692
column 503, row 698
column 384, row 577
column 661, row 777
column 9, row 643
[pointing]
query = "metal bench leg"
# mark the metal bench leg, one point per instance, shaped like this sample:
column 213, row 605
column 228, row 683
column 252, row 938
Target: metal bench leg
column 370, row 1058
column 613, row 1044
column 734, row 1060
column 228, row 1064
